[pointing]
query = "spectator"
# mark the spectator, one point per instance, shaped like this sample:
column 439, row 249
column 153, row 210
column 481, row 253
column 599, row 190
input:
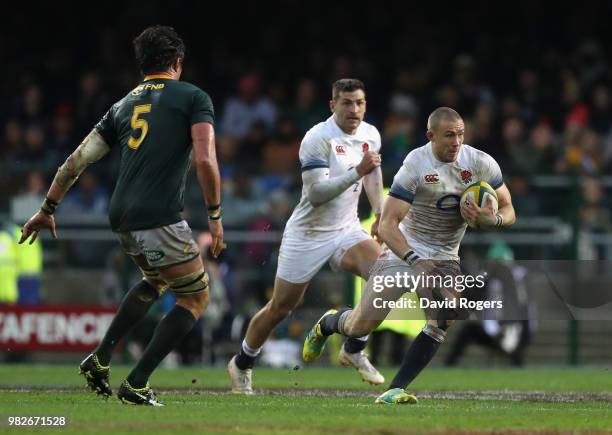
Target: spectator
column 307, row 109
column 601, row 113
column 35, row 153
column 248, row 107
column 26, row 203
column 401, row 132
column 484, row 130
column 280, row 153
column 544, row 149
column 526, row 202
column 583, row 151
column 12, row 141
column 92, row 102
column 240, row 203
column 594, row 217
column 62, row 138
column 515, row 146
column 88, row 199
column 32, row 105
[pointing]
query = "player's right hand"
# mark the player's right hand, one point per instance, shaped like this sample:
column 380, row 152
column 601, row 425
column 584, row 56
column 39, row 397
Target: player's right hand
column 216, row 231
column 370, row 160
column 35, row 224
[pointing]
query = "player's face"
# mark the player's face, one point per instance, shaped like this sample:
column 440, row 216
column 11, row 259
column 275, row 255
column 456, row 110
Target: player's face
column 349, row 109
column 446, row 139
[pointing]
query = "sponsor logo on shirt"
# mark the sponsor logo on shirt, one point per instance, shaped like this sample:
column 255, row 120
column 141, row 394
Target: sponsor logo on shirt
column 153, row 255
column 365, row 147
column 466, row 176
column 432, row 179
column 340, row 149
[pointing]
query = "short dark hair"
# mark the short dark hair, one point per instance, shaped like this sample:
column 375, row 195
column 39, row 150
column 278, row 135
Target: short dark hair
column 346, row 85
column 157, row 48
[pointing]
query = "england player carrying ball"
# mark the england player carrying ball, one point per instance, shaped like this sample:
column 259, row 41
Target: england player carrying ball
column 422, row 224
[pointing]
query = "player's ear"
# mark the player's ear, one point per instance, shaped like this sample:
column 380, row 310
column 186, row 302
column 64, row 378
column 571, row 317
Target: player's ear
column 429, row 134
column 178, row 64
column 332, row 105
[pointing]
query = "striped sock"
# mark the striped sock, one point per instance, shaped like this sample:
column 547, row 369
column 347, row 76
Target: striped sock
column 245, row 359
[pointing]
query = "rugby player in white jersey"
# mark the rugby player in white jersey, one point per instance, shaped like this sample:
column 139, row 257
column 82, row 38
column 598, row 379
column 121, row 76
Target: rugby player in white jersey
column 422, row 225
column 337, row 157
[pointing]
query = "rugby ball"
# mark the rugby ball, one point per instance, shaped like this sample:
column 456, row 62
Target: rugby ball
column 479, row 192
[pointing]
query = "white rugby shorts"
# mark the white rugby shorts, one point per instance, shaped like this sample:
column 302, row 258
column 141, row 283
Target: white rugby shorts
column 303, row 252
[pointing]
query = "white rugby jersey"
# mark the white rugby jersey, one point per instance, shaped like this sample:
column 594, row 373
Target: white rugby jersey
column 327, row 146
column 433, row 227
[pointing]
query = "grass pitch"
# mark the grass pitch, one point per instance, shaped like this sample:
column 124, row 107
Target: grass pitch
column 317, row 401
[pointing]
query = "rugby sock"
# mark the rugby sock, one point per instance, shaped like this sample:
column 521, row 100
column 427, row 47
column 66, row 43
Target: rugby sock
column 133, row 308
column 418, row 355
column 333, row 323
column 355, row 345
column 168, row 333
column 245, row 359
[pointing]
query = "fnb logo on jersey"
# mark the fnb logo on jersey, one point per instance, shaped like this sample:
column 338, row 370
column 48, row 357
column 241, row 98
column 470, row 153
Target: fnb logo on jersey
column 340, row 149
column 138, row 89
column 365, row 147
column 432, row 178
column 466, row 176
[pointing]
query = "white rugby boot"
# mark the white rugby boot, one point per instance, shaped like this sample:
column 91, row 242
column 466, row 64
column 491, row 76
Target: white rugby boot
column 360, row 362
column 241, row 379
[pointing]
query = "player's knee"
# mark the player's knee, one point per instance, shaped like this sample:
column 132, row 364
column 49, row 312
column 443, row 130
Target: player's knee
column 145, row 291
column 191, row 291
column 158, row 284
column 196, row 303
column 154, row 279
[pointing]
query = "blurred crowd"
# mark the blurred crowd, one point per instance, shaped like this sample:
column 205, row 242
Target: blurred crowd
column 538, row 108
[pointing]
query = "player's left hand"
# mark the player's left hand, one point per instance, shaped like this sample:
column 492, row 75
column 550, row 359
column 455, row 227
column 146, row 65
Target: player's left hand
column 478, row 216
column 374, row 229
column 35, row 224
column 216, row 232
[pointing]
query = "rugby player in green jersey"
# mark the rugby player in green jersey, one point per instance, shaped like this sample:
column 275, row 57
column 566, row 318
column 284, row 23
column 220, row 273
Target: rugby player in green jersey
column 156, row 127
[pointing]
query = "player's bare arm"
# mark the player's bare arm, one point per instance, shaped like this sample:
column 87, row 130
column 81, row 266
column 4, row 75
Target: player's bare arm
column 373, row 185
column 393, row 213
column 92, row 149
column 207, row 170
column 485, row 217
column 321, row 189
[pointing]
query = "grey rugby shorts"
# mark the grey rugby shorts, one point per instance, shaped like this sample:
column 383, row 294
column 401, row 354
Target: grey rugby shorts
column 162, row 247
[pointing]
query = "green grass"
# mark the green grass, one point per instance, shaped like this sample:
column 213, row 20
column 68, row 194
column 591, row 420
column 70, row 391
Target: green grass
column 200, row 410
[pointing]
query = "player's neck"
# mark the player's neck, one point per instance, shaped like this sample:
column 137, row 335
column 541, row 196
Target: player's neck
column 161, row 75
column 439, row 157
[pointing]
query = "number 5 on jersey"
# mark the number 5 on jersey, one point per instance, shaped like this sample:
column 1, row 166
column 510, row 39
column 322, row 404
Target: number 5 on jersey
column 139, row 124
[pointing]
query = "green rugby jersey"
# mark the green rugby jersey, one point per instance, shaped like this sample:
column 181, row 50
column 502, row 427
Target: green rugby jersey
column 152, row 127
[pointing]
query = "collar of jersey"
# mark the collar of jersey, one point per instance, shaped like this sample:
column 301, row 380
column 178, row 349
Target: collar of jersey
column 158, row 76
